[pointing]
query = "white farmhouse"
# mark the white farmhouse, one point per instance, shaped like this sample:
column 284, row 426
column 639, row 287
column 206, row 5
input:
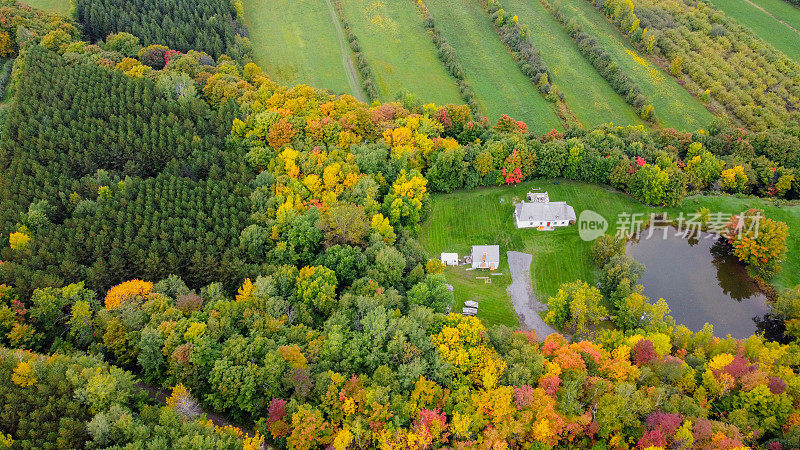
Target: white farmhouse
column 449, row 259
column 485, row 257
column 539, row 212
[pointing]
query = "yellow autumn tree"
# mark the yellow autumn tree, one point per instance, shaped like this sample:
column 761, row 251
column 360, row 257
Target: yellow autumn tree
column 462, row 342
column 245, row 291
column 406, row 199
column 382, row 226
column 734, row 180
column 18, row 240
column 23, row 375
column 123, row 291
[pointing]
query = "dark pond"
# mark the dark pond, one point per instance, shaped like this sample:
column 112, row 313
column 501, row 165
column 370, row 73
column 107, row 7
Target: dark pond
column 699, row 279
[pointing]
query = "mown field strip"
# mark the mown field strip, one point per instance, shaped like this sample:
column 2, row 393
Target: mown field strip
column 53, row 6
column 675, row 106
column 774, row 21
column 588, row 95
column 295, row 41
column 398, row 49
column 500, row 87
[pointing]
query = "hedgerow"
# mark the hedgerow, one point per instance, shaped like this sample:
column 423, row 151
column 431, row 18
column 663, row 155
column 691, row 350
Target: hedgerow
column 364, row 69
column 447, row 55
column 605, row 65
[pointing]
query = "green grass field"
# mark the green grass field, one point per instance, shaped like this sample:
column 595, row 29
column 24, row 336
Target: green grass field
column 53, row 6
column 462, row 219
column 296, row 41
column 764, row 18
column 398, row 49
column 674, row 106
column 499, row 85
column 589, row 96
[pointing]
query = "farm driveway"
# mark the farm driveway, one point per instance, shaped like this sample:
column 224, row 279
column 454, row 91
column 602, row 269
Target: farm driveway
column 521, row 294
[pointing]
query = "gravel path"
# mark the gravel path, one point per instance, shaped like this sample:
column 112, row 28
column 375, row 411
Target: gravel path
column 521, row 295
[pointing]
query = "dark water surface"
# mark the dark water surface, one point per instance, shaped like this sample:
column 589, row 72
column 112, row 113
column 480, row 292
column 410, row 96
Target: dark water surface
column 700, row 281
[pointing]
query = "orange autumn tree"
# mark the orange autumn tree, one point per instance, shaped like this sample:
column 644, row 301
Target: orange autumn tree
column 123, row 291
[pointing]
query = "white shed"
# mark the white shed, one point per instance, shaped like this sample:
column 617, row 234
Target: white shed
column 485, row 257
column 449, row 259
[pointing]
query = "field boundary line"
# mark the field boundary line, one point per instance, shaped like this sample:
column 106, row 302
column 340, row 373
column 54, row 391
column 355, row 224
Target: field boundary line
column 773, row 16
column 347, row 60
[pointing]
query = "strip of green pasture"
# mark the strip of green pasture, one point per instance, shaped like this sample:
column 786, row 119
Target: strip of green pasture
column 764, row 18
column 499, row 85
column 587, row 93
column 397, row 46
column 674, row 106
column 295, row 41
column 52, row 6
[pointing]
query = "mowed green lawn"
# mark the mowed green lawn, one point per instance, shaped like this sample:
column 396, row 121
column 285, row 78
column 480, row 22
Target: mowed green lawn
column 588, row 95
column 484, row 216
column 399, row 50
column 296, row 41
column 499, row 85
column 764, row 18
column 53, row 6
column 674, row 105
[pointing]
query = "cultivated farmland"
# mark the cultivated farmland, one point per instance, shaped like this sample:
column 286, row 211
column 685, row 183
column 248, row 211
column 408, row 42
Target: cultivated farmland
column 499, row 85
column 774, row 21
column 674, row 106
column 300, row 41
column 588, row 95
column 396, row 44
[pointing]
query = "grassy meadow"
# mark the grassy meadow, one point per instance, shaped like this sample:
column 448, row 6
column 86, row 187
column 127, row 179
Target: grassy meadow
column 764, row 18
column 52, row 6
column 589, row 96
column 465, row 218
column 298, row 41
column 500, row 87
column 674, row 106
column 397, row 46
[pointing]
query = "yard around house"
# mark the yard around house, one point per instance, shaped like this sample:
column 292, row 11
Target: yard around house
column 484, row 216
column 500, row 87
column 399, row 51
column 775, row 21
column 675, row 107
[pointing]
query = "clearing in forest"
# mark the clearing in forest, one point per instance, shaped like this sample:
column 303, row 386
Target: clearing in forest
column 60, row 7
column 399, row 51
column 775, row 21
column 675, row 107
column 500, row 87
column 589, row 96
column 484, row 216
column 298, row 41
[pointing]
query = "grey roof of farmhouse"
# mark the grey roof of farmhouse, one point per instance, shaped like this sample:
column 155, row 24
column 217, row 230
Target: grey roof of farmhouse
column 544, row 212
column 492, row 252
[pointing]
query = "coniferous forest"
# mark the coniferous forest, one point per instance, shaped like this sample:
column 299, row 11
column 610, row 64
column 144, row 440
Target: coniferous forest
column 195, row 256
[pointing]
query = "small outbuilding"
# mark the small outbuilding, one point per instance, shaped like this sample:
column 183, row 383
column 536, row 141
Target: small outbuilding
column 449, row 259
column 485, row 257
